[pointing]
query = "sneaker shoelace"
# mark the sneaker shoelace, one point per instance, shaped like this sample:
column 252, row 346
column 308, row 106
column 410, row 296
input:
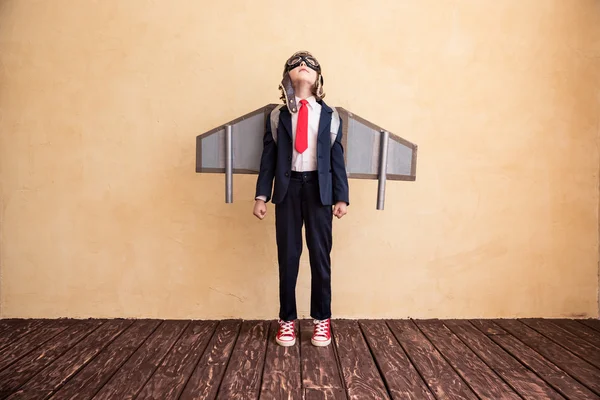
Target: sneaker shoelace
column 321, row 328
column 286, row 328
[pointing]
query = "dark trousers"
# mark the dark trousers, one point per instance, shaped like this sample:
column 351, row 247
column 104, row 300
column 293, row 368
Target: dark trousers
column 302, row 204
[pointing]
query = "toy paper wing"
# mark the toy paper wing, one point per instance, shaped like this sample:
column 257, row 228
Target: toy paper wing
column 370, row 151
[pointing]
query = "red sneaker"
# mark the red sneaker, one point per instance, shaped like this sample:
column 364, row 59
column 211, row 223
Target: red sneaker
column 286, row 334
column 322, row 332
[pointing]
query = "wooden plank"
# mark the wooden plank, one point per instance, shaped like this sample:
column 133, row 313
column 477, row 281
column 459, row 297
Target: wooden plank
column 488, row 327
column 525, row 382
column 401, row 378
column 205, row 380
column 8, row 323
column 132, row 376
column 439, row 376
column 281, row 376
column 170, row 378
column 28, row 343
column 19, row 329
column 480, row 378
column 553, row 375
column 21, row 371
column 319, row 364
column 565, row 339
column 359, row 371
column 584, row 372
column 64, row 367
column 592, row 323
column 30, row 395
column 324, row 393
column 244, row 372
column 583, row 331
column 95, row 374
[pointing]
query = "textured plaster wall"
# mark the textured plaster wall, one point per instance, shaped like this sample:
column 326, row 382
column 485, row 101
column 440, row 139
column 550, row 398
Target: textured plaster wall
column 103, row 215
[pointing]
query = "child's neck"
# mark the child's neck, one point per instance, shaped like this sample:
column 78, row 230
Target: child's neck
column 303, row 91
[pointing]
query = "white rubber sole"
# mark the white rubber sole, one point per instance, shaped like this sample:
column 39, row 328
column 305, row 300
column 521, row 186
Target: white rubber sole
column 320, row 343
column 285, row 343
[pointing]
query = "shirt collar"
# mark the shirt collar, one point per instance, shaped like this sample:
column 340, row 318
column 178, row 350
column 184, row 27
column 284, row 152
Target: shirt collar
column 312, row 101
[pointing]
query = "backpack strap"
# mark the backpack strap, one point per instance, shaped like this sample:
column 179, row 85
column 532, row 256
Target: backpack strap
column 335, row 125
column 275, row 121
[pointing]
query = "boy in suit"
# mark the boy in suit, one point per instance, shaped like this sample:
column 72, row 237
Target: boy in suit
column 305, row 157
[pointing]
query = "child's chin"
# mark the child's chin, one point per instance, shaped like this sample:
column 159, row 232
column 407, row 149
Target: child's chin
column 305, row 80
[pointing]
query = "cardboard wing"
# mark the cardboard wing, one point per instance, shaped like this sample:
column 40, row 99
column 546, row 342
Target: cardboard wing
column 370, row 151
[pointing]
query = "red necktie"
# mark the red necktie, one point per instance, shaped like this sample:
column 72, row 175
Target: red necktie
column 302, row 128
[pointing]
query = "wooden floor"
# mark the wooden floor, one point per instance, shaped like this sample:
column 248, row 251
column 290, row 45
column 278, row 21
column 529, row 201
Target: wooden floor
column 231, row 359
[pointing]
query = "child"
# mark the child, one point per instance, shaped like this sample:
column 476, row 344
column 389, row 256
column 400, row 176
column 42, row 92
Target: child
column 306, row 160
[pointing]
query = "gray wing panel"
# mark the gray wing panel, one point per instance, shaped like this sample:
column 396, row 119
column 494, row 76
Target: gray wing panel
column 362, row 147
column 399, row 159
column 363, row 144
column 248, row 143
column 213, row 151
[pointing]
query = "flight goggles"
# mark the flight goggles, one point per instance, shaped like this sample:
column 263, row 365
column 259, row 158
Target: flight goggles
column 310, row 61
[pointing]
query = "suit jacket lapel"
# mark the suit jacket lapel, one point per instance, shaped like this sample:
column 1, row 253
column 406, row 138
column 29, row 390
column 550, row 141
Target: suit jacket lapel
column 324, row 119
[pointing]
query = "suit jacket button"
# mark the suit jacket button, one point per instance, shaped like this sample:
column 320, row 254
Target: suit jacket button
column 287, row 174
column 290, row 158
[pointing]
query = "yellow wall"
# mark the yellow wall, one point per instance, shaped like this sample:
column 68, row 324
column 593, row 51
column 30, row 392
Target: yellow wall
column 102, row 213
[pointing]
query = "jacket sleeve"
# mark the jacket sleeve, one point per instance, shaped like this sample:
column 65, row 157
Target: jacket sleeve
column 338, row 169
column 268, row 161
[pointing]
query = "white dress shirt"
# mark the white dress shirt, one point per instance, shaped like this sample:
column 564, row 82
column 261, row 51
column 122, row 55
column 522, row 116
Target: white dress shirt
column 307, row 161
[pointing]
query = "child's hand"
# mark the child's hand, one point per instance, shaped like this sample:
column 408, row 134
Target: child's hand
column 260, row 209
column 340, row 209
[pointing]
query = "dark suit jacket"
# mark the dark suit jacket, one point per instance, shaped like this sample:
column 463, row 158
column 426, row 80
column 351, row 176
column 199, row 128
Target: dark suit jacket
column 276, row 160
